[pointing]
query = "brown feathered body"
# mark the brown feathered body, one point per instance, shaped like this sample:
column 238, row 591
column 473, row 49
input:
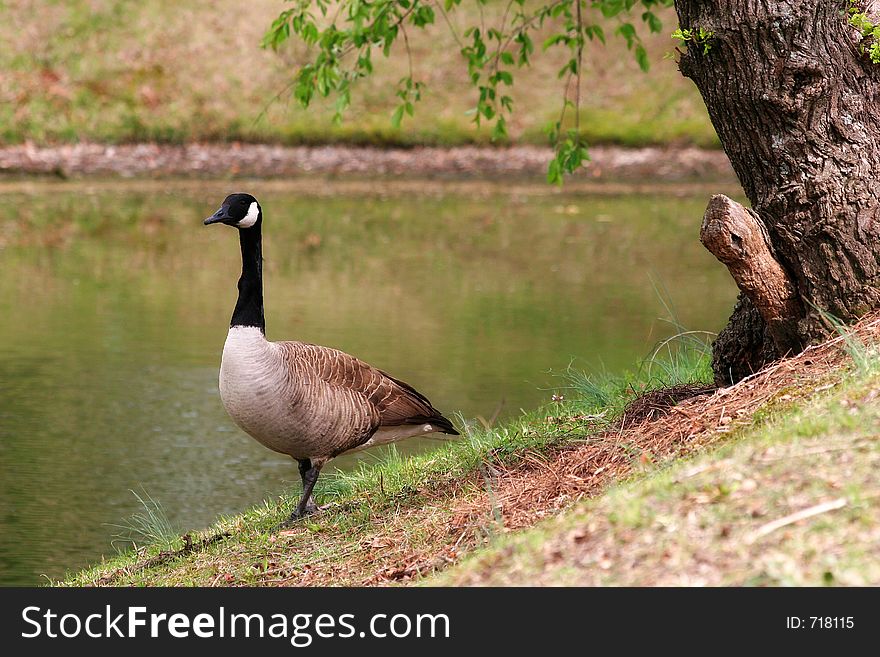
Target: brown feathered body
column 314, row 402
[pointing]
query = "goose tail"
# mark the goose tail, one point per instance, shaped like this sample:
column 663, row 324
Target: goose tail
column 442, row 424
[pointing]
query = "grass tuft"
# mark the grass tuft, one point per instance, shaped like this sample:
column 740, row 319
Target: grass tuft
column 863, row 356
column 685, row 358
column 147, row 528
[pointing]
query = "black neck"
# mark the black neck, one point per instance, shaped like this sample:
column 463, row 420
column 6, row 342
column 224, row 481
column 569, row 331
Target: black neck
column 249, row 308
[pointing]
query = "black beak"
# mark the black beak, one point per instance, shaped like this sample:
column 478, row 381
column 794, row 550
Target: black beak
column 218, row 217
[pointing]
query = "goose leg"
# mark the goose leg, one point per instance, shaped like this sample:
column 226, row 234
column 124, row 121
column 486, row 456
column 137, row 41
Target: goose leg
column 304, row 466
column 309, row 472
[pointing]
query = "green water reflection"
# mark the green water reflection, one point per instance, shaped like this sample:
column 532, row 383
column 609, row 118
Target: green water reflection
column 114, row 303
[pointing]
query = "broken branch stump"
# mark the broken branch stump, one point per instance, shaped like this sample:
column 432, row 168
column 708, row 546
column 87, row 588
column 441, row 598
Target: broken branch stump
column 737, row 237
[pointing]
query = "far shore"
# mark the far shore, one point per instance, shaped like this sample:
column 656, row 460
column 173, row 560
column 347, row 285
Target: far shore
column 242, row 160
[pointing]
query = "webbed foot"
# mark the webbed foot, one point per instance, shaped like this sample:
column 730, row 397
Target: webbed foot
column 301, row 512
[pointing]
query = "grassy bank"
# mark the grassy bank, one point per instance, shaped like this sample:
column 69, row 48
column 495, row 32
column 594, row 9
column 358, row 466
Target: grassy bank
column 770, row 481
column 115, row 71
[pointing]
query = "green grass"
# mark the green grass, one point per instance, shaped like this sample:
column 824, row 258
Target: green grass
column 150, row 527
column 682, row 359
column 863, row 356
column 159, row 71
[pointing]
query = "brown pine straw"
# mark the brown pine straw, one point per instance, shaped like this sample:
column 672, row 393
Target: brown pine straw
column 657, row 427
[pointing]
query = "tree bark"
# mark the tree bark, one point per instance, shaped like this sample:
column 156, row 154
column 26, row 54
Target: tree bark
column 797, row 108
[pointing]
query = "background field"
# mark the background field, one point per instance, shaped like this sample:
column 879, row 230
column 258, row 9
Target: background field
column 114, row 71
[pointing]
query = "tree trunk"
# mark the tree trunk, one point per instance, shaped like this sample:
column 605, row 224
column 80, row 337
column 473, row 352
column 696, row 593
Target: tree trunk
column 797, row 108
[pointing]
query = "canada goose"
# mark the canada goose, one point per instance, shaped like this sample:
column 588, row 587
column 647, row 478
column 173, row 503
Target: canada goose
column 309, row 402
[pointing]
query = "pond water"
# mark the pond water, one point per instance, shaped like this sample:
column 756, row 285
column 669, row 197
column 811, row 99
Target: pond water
column 115, row 301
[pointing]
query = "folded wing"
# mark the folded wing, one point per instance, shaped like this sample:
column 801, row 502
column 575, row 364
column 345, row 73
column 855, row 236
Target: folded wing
column 391, row 402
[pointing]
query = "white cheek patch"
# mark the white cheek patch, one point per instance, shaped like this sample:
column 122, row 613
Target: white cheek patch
column 251, row 217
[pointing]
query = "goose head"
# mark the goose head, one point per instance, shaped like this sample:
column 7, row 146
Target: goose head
column 239, row 211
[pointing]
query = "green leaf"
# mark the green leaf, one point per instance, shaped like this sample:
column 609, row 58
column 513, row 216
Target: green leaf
column 526, row 47
column 654, row 23
column 554, row 175
column 555, row 39
column 642, row 58
column 571, row 66
column 499, row 131
column 628, row 32
column 422, row 16
column 595, row 32
column 397, row 117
